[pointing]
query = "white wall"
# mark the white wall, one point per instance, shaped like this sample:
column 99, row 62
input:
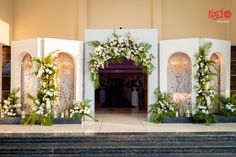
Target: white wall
column 190, row 47
column 4, row 32
column 75, row 50
column 42, row 47
column 19, row 49
column 222, row 49
column 167, row 48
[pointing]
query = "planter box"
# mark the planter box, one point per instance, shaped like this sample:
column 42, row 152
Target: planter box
column 66, row 121
column 225, row 119
column 10, row 120
column 178, row 120
column 17, row 120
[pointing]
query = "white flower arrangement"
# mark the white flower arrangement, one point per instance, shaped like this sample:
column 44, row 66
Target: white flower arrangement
column 226, row 105
column 11, row 104
column 116, row 49
column 230, row 107
column 46, row 94
column 163, row 107
column 204, row 92
column 81, row 109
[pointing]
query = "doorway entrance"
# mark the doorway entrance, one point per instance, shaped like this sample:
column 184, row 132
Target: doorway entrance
column 146, row 35
column 122, row 85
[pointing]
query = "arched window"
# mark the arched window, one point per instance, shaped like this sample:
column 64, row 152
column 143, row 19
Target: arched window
column 180, row 79
column 26, row 81
column 216, row 69
column 66, row 82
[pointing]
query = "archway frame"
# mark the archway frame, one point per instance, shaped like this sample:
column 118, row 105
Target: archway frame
column 181, row 96
column 22, row 78
column 147, row 35
column 222, row 76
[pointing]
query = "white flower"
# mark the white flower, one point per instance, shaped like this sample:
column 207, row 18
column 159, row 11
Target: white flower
column 54, row 68
column 17, row 105
column 40, row 72
column 47, row 70
column 48, row 106
column 208, row 99
column 38, row 112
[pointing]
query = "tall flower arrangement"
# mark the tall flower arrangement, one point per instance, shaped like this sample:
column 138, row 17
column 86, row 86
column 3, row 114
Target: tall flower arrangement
column 46, row 94
column 11, row 104
column 205, row 92
column 116, row 49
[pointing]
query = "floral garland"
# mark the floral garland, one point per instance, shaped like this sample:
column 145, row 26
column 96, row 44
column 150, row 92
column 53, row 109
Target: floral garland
column 10, row 105
column 205, row 93
column 116, row 49
column 46, row 94
column 163, row 107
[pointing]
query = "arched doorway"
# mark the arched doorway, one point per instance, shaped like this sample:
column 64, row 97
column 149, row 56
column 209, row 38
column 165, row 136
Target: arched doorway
column 26, row 82
column 66, row 81
column 180, row 80
column 147, row 35
column 122, row 85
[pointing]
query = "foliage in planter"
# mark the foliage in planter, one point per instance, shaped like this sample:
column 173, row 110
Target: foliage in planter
column 116, row 49
column 205, row 93
column 226, row 105
column 163, row 107
column 81, row 109
column 46, row 94
column 11, row 105
column 200, row 117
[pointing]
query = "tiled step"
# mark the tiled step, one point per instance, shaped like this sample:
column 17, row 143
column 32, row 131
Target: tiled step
column 127, row 144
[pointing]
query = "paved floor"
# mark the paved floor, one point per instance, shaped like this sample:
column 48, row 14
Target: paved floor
column 119, row 121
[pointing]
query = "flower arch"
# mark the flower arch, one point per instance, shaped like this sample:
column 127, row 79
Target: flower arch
column 117, row 48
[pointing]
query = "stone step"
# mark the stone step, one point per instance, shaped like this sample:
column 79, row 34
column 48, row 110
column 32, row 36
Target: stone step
column 127, row 144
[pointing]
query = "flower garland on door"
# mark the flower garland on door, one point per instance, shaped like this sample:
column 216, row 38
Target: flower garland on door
column 116, row 49
column 47, row 94
column 204, row 91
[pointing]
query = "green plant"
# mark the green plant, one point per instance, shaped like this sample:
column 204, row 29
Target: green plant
column 46, row 94
column 200, row 117
column 163, row 107
column 116, row 49
column 81, row 109
column 11, row 104
column 226, row 105
column 205, row 93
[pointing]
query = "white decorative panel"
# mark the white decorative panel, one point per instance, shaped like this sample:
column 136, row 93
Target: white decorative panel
column 26, row 82
column 65, row 66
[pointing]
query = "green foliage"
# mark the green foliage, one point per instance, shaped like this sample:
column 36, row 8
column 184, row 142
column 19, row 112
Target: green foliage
column 200, row 117
column 226, row 105
column 163, row 107
column 11, row 104
column 115, row 50
column 37, row 119
column 205, row 93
